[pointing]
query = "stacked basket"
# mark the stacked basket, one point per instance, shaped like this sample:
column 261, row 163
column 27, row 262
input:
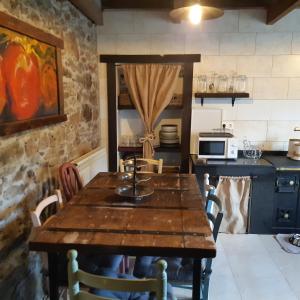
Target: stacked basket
column 168, row 135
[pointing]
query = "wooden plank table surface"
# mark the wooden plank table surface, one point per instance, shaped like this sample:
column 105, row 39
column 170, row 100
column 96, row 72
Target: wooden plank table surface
column 170, row 222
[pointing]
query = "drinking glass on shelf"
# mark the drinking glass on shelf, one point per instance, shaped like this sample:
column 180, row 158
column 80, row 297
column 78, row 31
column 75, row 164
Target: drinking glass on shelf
column 202, row 83
column 231, row 82
column 222, row 83
column 212, row 83
column 241, row 83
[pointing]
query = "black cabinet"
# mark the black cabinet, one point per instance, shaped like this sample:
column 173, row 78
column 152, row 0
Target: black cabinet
column 262, row 191
column 286, row 213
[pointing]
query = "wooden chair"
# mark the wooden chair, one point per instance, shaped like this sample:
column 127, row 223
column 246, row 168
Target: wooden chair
column 37, row 222
column 180, row 270
column 35, row 215
column 71, row 183
column 70, row 180
column 154, row 162
column 77, row 276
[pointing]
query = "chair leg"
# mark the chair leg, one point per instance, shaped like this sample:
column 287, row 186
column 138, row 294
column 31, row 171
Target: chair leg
column 205, row 286
column 122, row 268
column 126, row 260
column 205, row 290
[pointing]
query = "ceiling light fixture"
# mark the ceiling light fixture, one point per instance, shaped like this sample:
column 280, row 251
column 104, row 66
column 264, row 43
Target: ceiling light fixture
column 195, row 14
column 193, row 11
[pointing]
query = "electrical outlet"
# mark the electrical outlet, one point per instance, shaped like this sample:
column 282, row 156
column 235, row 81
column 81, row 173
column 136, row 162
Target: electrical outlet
column 228, row 125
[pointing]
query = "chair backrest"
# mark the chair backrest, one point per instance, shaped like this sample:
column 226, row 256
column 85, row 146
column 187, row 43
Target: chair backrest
column 35, row 215
column 215, row 215
column 77, row 276
column 70, row 180
column 154, row 162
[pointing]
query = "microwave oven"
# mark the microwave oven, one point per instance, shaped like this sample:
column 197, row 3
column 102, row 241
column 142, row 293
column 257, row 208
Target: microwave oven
column 220, row 145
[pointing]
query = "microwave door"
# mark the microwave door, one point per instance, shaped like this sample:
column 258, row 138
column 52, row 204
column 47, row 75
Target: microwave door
column 213, row 148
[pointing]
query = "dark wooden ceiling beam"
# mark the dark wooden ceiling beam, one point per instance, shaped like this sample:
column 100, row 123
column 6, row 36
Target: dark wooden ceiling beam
column 92, row 9
column 279, row 9
column 168, row 4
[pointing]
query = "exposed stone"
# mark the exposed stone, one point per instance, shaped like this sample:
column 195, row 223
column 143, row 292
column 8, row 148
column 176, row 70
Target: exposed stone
column 11, row 153
column 87, row 113
column 29, row 160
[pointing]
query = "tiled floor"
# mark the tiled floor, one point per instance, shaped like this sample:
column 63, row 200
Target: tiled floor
column 252, row 267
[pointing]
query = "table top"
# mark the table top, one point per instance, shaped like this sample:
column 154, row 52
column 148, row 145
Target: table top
column 170, row 222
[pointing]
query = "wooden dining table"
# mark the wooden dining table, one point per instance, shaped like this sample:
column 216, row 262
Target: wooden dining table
column 169, row 223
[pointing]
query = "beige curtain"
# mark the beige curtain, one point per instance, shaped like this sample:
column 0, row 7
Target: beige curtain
column 234, row 193
column 151, row 87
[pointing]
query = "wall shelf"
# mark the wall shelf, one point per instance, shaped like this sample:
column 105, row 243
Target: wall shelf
column 124, row 149
column 233, row 96
column 124, row 102
column 129, row 106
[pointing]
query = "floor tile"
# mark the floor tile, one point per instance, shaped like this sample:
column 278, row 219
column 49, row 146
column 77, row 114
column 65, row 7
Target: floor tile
column 251, row 267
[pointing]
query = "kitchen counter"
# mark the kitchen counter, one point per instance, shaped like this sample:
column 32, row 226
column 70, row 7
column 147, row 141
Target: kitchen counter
column 262, row 174
column 240, row 162
column 283, row 163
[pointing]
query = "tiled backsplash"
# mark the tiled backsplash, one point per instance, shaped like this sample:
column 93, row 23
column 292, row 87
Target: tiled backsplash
column 240, row 41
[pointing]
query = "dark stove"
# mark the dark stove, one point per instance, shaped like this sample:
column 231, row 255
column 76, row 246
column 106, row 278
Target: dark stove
column 286, row 212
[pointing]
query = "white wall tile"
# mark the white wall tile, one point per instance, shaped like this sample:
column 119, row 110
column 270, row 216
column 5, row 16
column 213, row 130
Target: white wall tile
column 296, row 43
column 285, row 110
column 237, row 44
column 254, row 66
column 270, row 88
column 219, row 64
column 117, row 22
column 273, row 43
column 226, row 45
column 294, row 88
column 149, row 22
column 274, row 146
column 257, row 110
column 281, row 130
column 286, row 66
column 253, row 20
column 251, row 130
column 227, row 23
column 167, row 43
column 133, row 44
column 107, row 44
column 290, row 22
column 203, row 43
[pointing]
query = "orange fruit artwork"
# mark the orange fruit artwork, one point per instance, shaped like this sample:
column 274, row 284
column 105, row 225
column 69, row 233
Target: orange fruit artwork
column 21, row 70
column 49, row 86
column 2, row 88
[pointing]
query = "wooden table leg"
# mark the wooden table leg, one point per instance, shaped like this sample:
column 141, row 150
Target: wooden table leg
column 197, row 279
column 53, row 275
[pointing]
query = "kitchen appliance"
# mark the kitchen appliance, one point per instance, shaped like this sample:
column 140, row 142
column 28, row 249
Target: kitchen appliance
column 294, row 149
column 286, row 218
column 217, row 145
column 294, row 239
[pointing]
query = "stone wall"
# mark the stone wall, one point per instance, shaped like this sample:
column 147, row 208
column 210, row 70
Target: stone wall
column 29, row 160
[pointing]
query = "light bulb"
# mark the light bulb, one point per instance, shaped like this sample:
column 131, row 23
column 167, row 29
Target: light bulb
column 195, row 14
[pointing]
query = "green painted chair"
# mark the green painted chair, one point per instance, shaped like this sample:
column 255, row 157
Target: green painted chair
column 76, row 276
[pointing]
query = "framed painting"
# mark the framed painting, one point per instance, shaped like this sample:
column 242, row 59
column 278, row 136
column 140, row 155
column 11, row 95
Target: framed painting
column 31, row 92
